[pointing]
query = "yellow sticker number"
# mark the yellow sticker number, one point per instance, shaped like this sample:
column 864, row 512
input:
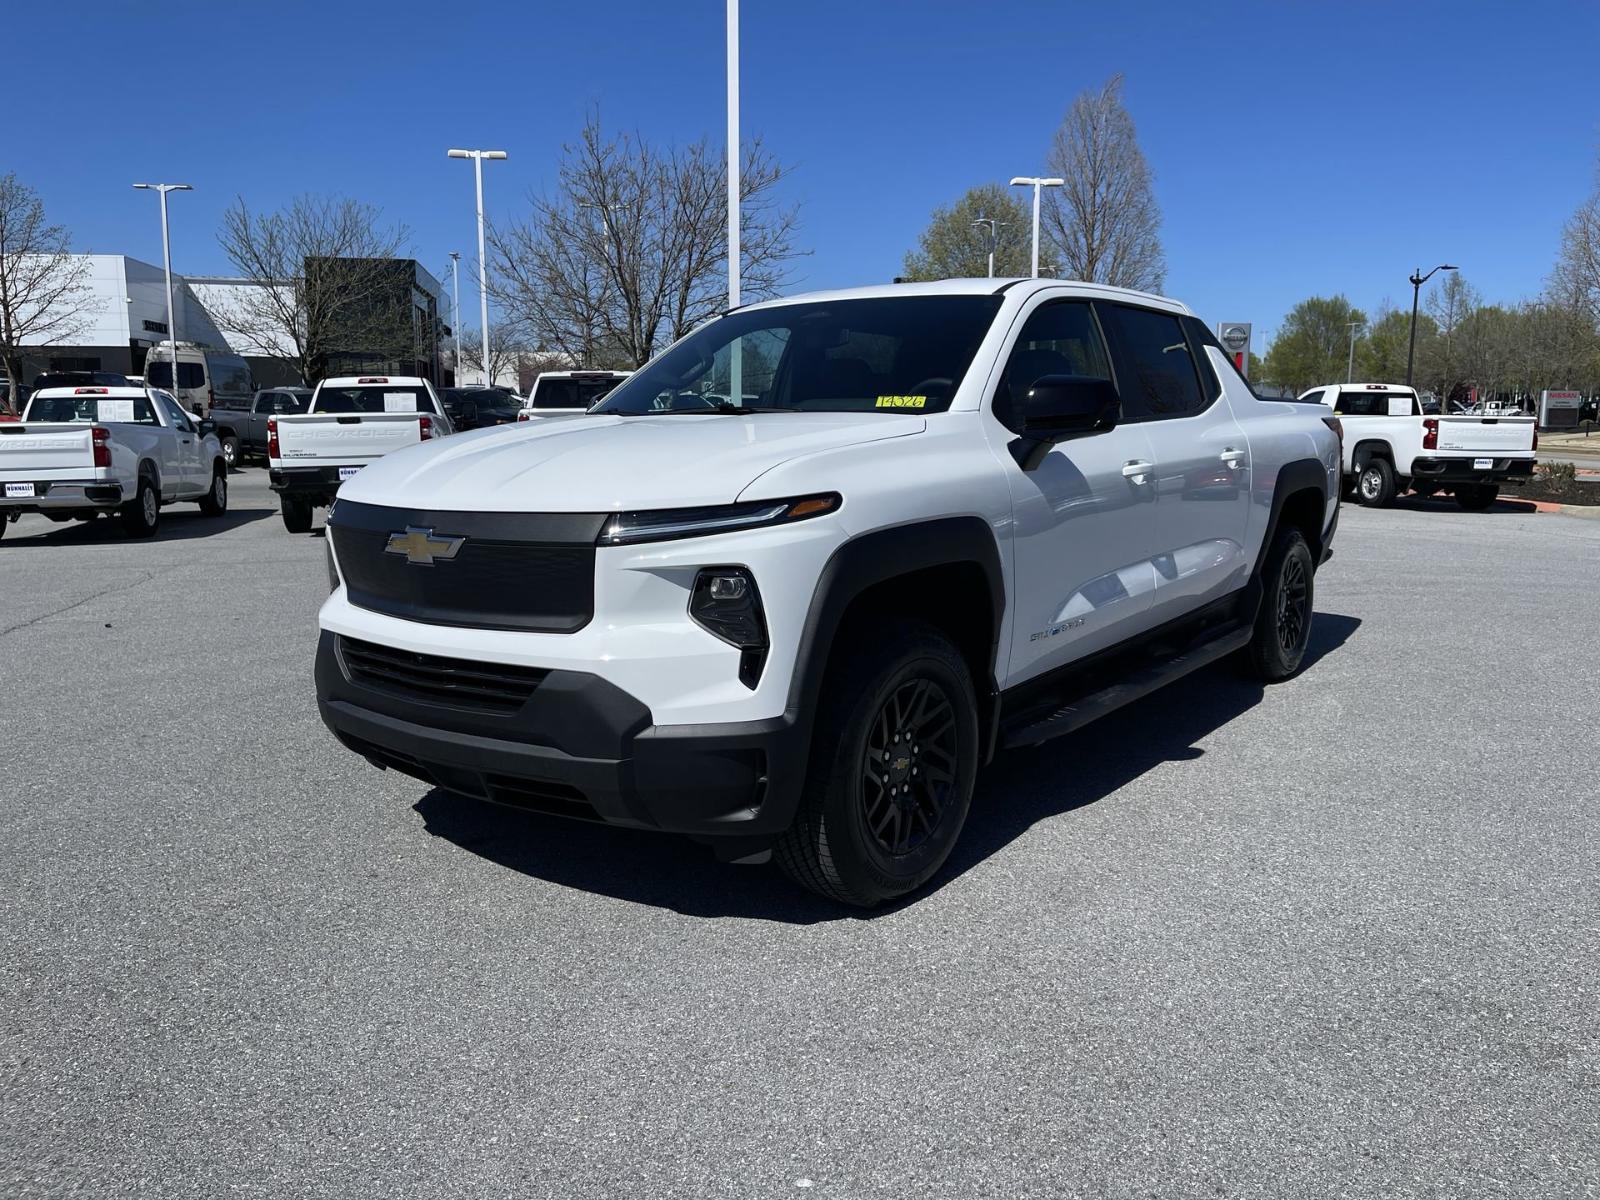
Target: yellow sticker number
column 902, row 401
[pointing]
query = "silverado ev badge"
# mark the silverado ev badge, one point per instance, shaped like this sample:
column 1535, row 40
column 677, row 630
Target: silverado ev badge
column 421, row 548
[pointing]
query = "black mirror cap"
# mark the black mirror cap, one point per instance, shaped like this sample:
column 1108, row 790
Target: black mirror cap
column 1061, row 406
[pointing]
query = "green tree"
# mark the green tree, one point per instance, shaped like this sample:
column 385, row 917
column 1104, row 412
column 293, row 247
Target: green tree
column 951, row 248
column 1381, row 352
column 1313, row 343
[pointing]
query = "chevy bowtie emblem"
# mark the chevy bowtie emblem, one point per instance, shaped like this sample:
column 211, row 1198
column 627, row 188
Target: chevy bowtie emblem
column 421, row 548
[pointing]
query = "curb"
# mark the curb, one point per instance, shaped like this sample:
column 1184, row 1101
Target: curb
column 1590, row 511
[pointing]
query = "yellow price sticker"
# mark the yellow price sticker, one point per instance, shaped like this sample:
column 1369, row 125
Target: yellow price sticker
column 902, row 401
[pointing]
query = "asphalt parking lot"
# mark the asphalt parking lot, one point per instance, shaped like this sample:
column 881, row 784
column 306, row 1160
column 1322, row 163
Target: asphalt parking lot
column 1335, row 938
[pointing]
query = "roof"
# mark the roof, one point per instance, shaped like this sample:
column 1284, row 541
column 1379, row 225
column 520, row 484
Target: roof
column 1022, row 288
column 89, row 389
column 371, row 380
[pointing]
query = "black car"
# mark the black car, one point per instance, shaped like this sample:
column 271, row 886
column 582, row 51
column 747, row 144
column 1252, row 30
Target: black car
column 479, row 407
column 59, row 379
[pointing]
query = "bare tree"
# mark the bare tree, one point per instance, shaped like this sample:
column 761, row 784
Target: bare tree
column 1104, row 221
column 631, row 251
column 44, row 295
column 1576, row 279
column 506, row 351
column 326, row 280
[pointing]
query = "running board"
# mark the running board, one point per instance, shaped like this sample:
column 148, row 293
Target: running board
column 1139, row 683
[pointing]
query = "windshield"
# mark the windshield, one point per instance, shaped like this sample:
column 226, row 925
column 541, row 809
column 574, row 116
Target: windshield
column 379, row 398
column 892, row 354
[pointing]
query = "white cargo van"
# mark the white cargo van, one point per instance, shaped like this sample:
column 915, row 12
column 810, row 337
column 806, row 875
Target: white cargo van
column 205, row 376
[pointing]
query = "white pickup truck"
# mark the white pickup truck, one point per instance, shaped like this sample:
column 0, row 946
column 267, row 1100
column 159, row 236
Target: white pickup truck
column 1390, row 444
column 79, row 452
column 349, row 423
column 565, row 393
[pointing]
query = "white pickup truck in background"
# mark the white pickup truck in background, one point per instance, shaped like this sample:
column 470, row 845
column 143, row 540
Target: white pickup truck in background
column 1390, row 445
column 564, row 393
column 79, row 452
column 349, row 423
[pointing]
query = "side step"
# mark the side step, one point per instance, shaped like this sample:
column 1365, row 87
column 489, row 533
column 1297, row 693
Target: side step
column 1078, row 712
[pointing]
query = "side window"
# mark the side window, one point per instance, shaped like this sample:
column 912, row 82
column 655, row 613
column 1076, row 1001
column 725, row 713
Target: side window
column 1155, row 367
column 175, row 415
column 264, row 402
column 1060, row 338
column 1317, row 397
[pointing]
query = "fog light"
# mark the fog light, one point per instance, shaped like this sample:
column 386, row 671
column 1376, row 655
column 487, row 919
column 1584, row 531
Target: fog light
column 725, row 603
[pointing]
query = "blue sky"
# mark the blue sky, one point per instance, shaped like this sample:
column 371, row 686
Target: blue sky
column 1297, row 148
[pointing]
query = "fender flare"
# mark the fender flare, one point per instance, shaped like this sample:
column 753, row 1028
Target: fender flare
column 1297, row 475
column 878, row 557
column 1370, row 449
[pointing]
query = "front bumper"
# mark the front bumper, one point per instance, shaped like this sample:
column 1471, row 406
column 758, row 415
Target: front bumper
column 579, row 747
column 1461, row 470
column 64, row 495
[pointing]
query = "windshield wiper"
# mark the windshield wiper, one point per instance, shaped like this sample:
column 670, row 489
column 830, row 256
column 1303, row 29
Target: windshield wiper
column 721, row 406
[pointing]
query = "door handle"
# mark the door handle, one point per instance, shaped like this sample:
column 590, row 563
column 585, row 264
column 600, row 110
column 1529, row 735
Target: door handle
column 1137, row 470
column 1233, row 457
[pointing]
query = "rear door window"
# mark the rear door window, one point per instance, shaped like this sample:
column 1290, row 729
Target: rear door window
column 1156, row 373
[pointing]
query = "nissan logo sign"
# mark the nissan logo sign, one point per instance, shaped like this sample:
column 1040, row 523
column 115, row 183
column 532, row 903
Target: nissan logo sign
column 1236, row 337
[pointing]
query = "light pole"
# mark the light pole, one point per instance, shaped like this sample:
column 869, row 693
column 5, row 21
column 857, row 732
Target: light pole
column 166, row 258
column 1036, row 182
column 1417, row 280
column 1350, row 370
column 455, row 325
column 477, row 157
column 735, row 351
column 992, row 239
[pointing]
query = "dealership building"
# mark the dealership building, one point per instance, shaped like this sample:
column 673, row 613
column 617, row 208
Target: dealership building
column 122, row 312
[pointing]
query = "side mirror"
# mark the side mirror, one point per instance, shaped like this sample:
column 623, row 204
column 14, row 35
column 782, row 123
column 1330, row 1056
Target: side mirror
column 207, row 428
column 1058, row 407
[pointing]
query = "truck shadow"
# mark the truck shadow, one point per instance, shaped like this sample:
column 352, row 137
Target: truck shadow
column 175, row 527
column 1018, row 790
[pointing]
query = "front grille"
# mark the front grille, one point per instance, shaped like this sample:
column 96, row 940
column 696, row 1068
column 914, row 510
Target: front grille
column 521, row 571
column 490, row 687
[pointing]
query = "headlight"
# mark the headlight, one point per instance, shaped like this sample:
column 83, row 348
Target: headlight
column 665, row 524
column 725, row 602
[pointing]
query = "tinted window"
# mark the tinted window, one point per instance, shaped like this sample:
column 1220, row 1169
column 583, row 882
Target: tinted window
column 265, row 401
column 190, row 375
column 1316, row 397
column 1155, row 370
column 889, row 354
column 1058, row 339
column 291, row 402
column 373, row 398
column 231, row 375
column 1372, row 403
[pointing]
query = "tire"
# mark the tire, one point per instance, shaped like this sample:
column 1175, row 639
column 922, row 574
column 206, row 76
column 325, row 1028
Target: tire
column 1476, row 497
column 912, row 686
column 231, row 454
column 1288, row 601
column 296, row 514
column 1375, row 486
column 215, row 502
column 141, row 516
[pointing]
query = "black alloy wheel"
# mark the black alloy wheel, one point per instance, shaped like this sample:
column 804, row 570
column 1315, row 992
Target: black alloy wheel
column 908, row 776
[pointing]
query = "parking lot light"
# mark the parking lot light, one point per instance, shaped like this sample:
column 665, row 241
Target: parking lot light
column 1417, row 280
column 1036, row 182
column 166, row 257
column 477, row 157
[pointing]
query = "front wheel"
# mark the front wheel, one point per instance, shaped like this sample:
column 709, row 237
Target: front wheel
column 1478, row 496
column 1375, row 485
column 894, row 756
column 1283, row 623
column 215, row 502
column 296, row 514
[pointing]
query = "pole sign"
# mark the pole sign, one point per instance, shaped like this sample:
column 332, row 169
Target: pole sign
column 1559, row 409
column 1235, row 339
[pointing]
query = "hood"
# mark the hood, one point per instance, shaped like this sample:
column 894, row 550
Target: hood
column 606, row 463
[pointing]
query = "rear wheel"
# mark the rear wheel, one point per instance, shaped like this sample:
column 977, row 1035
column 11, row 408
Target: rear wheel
column 893, row 760
column 142, row 515
column 230, row 451
column 1477, row 496
column 1375, row 485
column 1283, row 624
column 215, row 502
column 296, row 514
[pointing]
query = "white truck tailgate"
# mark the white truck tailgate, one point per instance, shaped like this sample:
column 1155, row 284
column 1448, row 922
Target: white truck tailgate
column 45, row 451
column 1500, row 435
column 330, row 438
